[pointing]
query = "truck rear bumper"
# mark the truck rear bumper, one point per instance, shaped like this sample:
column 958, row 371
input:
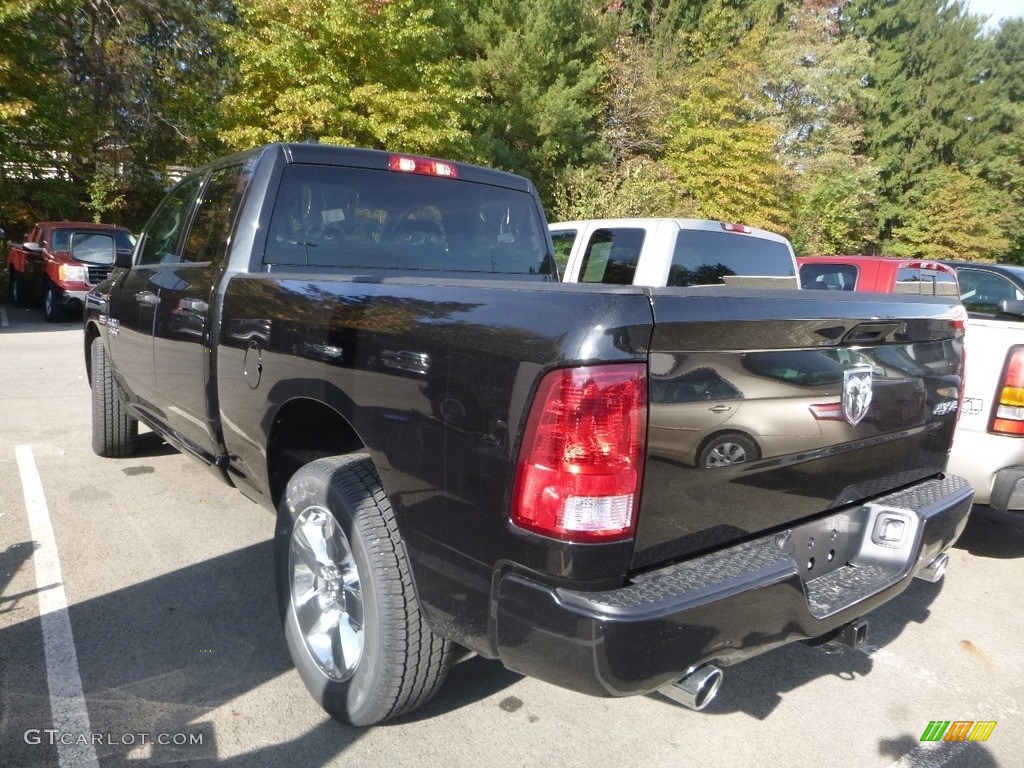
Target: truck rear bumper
column 729, row 605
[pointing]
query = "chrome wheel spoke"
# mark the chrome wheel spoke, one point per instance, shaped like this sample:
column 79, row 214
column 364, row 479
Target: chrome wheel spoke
column 347, row 644
column 325, row 593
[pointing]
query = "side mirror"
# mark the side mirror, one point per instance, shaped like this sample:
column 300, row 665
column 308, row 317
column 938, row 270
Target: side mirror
column 1011, row 307
column 97, row 248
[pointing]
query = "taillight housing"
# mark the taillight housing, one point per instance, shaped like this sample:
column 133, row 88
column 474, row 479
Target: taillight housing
column 581, row 461
column 729, row 226
column 427, row 166
column 1009, row 415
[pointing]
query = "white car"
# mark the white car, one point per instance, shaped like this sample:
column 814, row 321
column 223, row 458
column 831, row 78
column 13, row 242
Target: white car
column 988, row 448
column 672, row 252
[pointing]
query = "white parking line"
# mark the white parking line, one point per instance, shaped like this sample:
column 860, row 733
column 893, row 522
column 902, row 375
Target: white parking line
column 67, row 701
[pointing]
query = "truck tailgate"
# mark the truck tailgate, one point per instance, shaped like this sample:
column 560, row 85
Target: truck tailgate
column 766, row 413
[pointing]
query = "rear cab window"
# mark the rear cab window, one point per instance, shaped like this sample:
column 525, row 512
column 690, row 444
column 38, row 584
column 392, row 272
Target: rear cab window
column 705, row 257
column 828, row 277
column 378, row 219
column 925, row 281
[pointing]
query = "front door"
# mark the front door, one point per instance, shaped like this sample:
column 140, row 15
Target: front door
column 132, row 304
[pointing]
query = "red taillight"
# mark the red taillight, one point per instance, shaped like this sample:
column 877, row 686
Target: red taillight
column 581, row 460
column 1009, row 416
column 424, row 165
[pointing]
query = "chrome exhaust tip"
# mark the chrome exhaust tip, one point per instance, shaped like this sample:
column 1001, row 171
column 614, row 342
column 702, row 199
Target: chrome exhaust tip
column 695, row 689
column 936, row 570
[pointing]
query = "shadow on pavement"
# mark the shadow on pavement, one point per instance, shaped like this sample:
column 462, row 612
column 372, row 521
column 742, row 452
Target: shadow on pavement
column 993, row 534
column 755, row 686
column 157, row 657
column 948, row 754
column 30, row 320
column 11, row 561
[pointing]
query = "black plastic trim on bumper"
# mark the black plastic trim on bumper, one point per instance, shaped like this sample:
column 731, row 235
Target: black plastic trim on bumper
column 722, row 607
column 1008, row 490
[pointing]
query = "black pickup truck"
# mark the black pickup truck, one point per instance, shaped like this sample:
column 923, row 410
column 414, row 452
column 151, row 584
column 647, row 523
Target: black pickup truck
column 464, row 452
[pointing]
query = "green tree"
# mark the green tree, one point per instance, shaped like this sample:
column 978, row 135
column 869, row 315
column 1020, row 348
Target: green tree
column 721, row 153
column 811, row 75
column 109, row 95
column 923, row 79
column 536, row 71
column 686, row 122
column 371, row 73
column 835, row 211
column 994, row 145
column 954, row 216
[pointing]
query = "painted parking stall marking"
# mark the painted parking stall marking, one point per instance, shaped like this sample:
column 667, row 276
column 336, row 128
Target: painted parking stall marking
column 67, row 700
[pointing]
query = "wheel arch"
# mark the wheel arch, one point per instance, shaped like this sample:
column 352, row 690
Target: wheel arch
column 92, row 333
column 303, row 430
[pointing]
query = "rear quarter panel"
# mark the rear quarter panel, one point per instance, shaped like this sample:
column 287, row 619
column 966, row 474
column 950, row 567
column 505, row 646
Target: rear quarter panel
column 435, row 376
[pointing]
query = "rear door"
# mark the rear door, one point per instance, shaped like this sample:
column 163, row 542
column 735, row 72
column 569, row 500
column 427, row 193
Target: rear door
column 182, row 330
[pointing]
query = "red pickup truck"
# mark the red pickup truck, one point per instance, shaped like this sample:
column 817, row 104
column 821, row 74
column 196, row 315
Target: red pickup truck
column 41, row 267
column 880, row 274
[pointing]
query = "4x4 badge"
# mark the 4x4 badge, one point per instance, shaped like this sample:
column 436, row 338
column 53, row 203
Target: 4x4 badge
column 856, row 393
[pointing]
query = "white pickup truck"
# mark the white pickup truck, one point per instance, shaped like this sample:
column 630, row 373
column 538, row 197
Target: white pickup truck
column 988, row 448
column 675, row 252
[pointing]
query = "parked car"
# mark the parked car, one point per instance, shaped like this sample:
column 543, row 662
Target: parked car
column 42, row 267
column 876, row 273
column 989, row 445
column 456, row 444
column 719, row 410
column 672, row 252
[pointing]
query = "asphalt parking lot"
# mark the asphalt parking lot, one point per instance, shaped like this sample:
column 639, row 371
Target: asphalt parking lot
column 154, row 592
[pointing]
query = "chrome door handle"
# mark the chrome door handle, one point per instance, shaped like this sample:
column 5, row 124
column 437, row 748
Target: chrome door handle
column 147, row 297
column 720, row 408
column 194, row 305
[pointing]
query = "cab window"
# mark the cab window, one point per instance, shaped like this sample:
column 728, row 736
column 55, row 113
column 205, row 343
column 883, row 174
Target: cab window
column 611, row 256
column 563, row 241
column 828, row 277
column 208, row 237
column 982, row 291
column 925, row 282
column 164, row 230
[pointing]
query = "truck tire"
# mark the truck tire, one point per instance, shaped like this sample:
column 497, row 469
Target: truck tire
column 114, row 432
column 354, row 627
column 53, row 312
column 727, row 449
column 16, row 288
